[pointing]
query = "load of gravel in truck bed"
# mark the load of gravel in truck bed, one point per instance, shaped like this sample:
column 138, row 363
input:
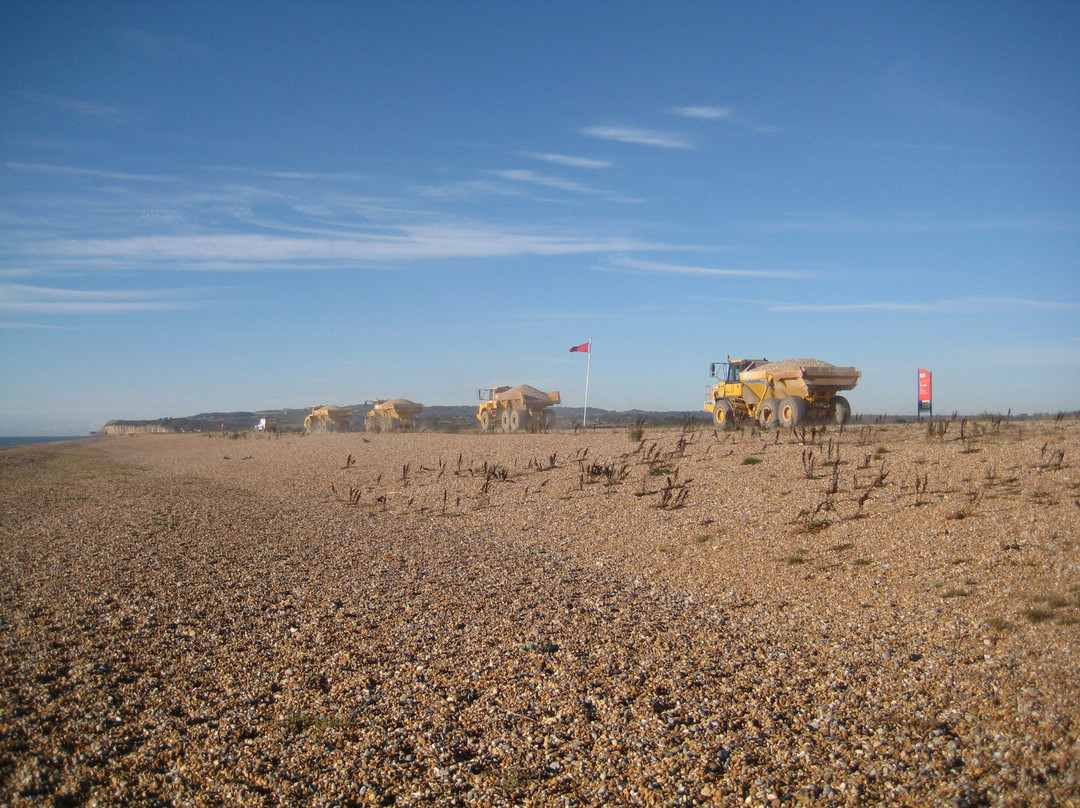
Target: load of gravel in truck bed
column 524, row 392
column 792, row 364
column 400, row 404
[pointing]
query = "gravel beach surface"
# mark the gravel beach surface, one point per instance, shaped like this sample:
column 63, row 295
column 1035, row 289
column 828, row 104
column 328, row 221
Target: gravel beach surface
column 887, row 614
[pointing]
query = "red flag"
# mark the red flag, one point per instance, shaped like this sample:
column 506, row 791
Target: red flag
column 583, row 348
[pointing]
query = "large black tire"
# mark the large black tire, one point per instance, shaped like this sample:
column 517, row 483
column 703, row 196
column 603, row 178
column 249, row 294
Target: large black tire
column 519, row 420
column 767, row 413
column 723, row 415
column 505, row 420
column 485, row 421
column 792, row 412
column 841, row 410
column 547, row 421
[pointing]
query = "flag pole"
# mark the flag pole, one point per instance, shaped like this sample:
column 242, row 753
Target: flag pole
column 588, row 368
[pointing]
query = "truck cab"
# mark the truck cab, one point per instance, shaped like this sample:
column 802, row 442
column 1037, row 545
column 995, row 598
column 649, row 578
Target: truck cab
column 729, row 372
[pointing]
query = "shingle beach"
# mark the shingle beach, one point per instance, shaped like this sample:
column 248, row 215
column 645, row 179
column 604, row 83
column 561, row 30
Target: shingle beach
column 887, row 614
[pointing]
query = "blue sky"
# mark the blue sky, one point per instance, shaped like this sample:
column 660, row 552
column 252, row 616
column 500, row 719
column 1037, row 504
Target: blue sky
column 237, row 206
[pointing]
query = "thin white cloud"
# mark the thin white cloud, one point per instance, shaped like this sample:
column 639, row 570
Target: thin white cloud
column 568, row 160
column 161, row 216
column 560, row 184
column 24, row 299
column 547, row 181
column 208, row 252
column 963, row 305
column 33, row 326
column 292, row 175
column 47, row 169
column 468, row 190
column 153, row 45
column 624, row 263
column 726, row 114
column 900, row 224
column 709, row 113
column 80, row 107
column 642, row 137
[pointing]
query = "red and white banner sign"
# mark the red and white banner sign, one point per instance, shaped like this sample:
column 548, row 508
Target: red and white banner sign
column 925, row 378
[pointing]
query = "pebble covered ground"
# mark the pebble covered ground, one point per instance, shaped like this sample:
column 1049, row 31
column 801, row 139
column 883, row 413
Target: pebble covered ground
column 888, row 614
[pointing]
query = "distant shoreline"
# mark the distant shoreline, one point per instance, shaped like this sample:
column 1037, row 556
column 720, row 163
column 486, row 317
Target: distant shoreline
column 8, row 442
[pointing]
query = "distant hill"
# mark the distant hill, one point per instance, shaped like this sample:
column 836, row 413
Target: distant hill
column 463, row 417
column 436, row 418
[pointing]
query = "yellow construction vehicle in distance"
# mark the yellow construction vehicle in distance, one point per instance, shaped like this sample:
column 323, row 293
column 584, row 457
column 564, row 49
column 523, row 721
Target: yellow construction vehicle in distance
column 328, row 418
column 516, row 409
column 787, row 393
column 392, row 415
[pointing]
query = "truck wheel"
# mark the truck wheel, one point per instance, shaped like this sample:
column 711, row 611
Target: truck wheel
column 547, row 421
column 767, row 413
column 723, row 416
column 505, row 420
column 519, row 420
column 841, row 409
column 792, row 411
column 485, row 421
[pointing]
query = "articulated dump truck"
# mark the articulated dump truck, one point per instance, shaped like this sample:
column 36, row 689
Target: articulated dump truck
column 517, row 409
column 327, row 418
column 392, row 415
column 786, row 393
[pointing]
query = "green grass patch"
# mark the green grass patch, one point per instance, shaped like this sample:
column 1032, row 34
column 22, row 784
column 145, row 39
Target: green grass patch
column 1037, row 614
column 800, row 556
column 295, row 723
column 955, row 593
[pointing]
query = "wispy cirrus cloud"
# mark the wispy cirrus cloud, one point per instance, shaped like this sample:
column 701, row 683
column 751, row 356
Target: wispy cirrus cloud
column 25, row 299
column 547, row 181
column 148, row 44
column 23, row 326
column 88, row 109
column 914, row 223
column 726, row 114
column 291, row 175
column 962, row 305
column 466, row 190
column 625, row 263
column 568, row 160
column 641, row 137
column 560, row 184
column 97, row 173
column 708, row 113
column 252, row 251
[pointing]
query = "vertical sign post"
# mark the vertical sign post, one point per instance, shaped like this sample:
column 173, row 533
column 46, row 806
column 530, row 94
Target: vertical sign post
column 926, row 399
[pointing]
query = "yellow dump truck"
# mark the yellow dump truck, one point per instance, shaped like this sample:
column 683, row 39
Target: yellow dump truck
column 392, row 415
column 787, row 393
column 517, row 409
column 327, row 418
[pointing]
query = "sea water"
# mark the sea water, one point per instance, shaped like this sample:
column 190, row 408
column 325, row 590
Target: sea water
column 25, row 441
